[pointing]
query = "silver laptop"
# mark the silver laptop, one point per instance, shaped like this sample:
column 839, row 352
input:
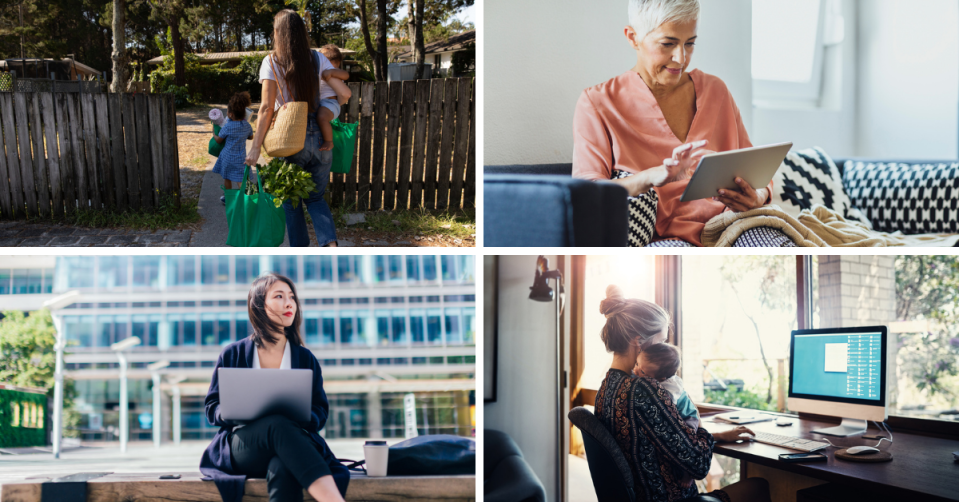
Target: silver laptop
column 756, row 165
column 248, row 394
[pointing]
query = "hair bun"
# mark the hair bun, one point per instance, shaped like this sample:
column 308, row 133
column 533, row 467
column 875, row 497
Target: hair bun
column 613, row 302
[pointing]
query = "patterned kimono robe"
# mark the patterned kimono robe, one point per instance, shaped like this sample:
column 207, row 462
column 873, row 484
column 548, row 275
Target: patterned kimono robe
column 657, row 443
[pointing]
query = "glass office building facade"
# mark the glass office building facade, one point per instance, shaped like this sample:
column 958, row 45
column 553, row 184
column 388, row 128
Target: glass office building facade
column 381, row 327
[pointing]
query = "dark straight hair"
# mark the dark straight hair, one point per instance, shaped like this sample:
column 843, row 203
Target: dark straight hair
column 293, row 53
column 263, row 327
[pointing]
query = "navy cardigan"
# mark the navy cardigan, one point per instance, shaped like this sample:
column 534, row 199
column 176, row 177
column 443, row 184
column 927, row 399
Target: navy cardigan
column 216, row 463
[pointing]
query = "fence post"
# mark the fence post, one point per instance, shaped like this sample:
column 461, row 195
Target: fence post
column 13, row 81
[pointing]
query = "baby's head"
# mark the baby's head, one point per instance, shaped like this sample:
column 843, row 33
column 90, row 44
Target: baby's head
column 332, row 52
column 658, row 361
column 237, row 107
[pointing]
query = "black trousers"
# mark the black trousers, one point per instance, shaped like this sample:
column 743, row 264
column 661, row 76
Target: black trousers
column 278, row 449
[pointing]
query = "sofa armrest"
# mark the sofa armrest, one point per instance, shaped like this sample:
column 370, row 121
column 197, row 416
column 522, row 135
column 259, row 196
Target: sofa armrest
column 552, row 211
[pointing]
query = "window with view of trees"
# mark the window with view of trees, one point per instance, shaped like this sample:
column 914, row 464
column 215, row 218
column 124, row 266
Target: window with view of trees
column 736, row 314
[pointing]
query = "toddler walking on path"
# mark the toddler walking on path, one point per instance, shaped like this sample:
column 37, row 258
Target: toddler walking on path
column 232, row 161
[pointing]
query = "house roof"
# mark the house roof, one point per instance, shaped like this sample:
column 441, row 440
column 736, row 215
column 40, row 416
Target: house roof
column 217, row 57
column 452, row 44
column 81, row 68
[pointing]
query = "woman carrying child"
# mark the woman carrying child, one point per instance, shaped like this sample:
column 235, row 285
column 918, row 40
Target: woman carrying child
column 662, row 450
column 235, row 131
column 291, row 73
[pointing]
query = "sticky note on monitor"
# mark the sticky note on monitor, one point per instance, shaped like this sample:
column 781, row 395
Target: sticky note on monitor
column 837, row 355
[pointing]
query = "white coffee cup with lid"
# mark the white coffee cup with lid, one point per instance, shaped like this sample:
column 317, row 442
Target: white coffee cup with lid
column 377, row 456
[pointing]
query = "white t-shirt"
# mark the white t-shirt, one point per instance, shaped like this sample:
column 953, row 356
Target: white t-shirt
column 284, row 363
column 283, row 95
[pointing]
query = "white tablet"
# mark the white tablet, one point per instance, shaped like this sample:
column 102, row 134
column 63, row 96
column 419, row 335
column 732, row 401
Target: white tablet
column 756, row 165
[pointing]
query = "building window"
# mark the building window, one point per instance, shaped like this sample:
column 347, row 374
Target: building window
column 318, row 269
column 79, row 330
column 215, row 269
column 396, row 268
column 6, row 286
column 413, row 268
column 79, row 270
column 242, row 325
column 27, row 281
column 454, row 327
column 434, row 328
column 789, row 40
column 399, row 327
column 380, row 267
column 146, row 271
column 247, row 269
column 286, row 265
column 417, row 325
column 181, row 270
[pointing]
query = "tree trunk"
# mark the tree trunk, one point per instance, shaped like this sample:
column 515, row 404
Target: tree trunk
column 179, row 68
column 365, row 27
column 383, row 50
column 119, row 46
column 411, row 26
column 419, row 48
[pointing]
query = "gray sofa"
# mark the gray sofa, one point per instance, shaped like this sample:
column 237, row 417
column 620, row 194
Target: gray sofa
column 506, row 475
column 542, row 205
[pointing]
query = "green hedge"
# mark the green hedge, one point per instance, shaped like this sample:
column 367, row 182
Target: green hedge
column 11, row 436
column 212, row 83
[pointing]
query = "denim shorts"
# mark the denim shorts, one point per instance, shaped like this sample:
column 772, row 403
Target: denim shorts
column 332, row 105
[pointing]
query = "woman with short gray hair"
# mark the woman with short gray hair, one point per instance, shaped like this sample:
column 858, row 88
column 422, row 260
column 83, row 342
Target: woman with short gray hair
column 647, row 129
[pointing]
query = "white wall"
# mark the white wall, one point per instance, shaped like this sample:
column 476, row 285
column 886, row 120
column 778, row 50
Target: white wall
column 539, row 55
column 909, row 79
column 526, row 391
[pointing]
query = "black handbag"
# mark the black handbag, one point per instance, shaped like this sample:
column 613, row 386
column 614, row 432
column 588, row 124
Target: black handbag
column 440, row 454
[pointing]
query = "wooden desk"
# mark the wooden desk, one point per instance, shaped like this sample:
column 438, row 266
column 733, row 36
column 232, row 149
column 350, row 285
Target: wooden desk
column 922, row 467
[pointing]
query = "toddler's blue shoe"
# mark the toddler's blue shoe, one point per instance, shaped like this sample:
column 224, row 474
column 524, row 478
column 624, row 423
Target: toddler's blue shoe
column 223, row 199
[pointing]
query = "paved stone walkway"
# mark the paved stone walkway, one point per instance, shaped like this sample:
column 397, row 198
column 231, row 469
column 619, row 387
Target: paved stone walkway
column 19, row 234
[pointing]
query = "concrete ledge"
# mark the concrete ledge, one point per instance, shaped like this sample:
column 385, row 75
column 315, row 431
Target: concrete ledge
column 147, row 487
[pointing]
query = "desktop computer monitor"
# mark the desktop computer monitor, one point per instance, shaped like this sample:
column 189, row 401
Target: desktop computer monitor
column 840, row 372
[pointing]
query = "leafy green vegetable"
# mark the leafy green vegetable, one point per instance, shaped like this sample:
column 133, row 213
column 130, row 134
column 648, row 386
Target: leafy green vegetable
column 283, row 181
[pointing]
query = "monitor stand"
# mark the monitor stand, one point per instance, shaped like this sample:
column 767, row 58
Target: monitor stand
column 849, row 427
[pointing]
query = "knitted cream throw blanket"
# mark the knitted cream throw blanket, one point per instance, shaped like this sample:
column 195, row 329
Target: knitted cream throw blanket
column 815, row 227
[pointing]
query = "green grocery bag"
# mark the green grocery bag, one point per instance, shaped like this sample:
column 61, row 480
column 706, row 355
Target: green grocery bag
column 216, row 148
column 344, row 144
column 253, row 220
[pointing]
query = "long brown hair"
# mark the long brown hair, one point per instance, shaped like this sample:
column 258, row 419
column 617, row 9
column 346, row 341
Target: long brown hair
column 291, row 49
column 629, row 321
column 264, row 327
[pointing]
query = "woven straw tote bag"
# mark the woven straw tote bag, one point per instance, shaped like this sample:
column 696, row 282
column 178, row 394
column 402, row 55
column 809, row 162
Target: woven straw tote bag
column 288, row 131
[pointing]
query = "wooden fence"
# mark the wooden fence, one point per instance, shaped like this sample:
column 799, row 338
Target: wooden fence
column 64, row 152
column 416, row 146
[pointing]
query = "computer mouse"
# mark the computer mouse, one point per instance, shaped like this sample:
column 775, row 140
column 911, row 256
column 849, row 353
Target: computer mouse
column 782, row 422
column 862, row 450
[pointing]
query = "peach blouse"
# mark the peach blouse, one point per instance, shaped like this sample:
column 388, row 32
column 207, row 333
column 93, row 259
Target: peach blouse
column 618, row 125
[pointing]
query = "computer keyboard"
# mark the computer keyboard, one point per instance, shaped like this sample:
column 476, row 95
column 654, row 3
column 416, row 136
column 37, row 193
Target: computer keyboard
column 790, row 442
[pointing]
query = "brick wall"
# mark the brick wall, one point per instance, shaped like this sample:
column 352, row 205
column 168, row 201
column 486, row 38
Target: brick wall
column 860, row 291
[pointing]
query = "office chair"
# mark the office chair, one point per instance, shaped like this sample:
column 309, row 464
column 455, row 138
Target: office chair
column 612, row 477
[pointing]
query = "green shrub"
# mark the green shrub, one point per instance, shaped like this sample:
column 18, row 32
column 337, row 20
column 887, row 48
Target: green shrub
column 11, row 436
column 181, row 96
column 739, row 399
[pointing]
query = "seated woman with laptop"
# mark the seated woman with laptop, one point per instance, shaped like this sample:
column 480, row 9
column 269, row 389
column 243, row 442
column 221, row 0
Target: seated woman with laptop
column 648, row 128
column 269, row 421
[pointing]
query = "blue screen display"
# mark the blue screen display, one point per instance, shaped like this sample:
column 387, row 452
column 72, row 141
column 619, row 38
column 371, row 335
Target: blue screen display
column 841, row 365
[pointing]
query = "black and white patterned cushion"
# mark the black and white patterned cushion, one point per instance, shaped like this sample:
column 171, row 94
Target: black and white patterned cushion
column 913, row 198
column 642, row 214
column 810, row 177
